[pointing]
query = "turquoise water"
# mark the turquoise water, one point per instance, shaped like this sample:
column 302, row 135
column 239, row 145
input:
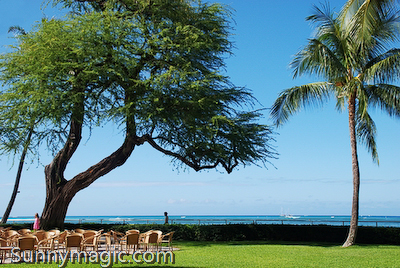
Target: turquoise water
column 380, row 221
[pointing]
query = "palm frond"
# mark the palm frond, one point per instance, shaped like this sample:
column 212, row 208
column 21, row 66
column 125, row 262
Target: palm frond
column 340, row 103
column 373, row 25
column 385, row 97
column 366, row 133
column 384, row 68
column 322, row 55
column 317, row 58
column 291, row 100
column 17, row 30
column 363, row 99
column 322, row 16
column 349, row 9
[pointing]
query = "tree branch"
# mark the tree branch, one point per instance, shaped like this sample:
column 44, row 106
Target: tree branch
column 193, row 163
column 103, row 167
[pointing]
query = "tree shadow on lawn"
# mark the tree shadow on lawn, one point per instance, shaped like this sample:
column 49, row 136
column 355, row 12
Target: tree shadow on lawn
column 284, row 243
column 241, row 243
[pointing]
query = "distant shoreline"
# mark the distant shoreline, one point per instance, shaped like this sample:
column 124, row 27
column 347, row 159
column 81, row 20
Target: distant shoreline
column 334, row 220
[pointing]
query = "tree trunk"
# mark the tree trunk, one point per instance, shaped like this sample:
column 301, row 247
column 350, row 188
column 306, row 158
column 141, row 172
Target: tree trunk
column 356, row 175
column 60, row 192
column 55, row 208
column 17, row 179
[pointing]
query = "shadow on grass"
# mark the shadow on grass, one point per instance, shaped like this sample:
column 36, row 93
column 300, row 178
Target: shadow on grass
column 252, row 243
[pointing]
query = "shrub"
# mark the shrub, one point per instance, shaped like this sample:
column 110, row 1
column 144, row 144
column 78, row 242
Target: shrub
column 251, row 232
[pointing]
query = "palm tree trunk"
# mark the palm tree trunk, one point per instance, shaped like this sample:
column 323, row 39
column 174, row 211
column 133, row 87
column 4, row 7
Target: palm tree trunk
column 17, row 179
column 356, row 175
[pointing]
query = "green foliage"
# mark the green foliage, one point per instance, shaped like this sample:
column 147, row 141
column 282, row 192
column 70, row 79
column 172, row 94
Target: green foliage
column 250, row 232
column 153, row 67
column 287, row 233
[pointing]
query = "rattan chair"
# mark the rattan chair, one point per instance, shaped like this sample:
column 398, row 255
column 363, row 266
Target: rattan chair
column 108, row 240
column 91, row 239
column 117, row 239
column 132, row 241
column 132, row 231
column 24, row 231
column 167, row 239
column 47, row 241
column 55, row 231
column 4, row 249
column 59, row 240
column 73, row 241
column 12, row 237
column 152, row 239
column 27, row 243
column 40, row 234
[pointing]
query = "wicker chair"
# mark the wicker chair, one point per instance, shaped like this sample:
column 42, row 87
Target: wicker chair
column 91, row 239
column 55, row 231
column 117, row 239
column 152, row 238
column 167, row 239
column 73, row 241
column 27, row 243
column 41, row 235
column 47, row 241
column 4, row 249
column 24, row 231
column 132, row 241
column 59, row 240
column 12, row 237
column 132, row 231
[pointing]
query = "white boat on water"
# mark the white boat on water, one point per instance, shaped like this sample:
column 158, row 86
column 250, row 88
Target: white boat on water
column 288, row 215
column 291, row 217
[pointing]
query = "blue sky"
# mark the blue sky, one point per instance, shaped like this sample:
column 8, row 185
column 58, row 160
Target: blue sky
column 311, row 177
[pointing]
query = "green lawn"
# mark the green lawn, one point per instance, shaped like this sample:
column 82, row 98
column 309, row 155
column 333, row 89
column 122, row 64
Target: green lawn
column 258, row 254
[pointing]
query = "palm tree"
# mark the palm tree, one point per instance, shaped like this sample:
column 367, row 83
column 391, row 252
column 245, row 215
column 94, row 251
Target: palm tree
column 349, row 51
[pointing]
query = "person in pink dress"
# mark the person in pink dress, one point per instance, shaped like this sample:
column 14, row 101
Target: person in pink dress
column 36, row 224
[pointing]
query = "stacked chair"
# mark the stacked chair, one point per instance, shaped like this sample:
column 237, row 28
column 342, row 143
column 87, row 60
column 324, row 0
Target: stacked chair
column 82, row 240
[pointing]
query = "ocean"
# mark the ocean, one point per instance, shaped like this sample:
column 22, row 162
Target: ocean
column 334, row 220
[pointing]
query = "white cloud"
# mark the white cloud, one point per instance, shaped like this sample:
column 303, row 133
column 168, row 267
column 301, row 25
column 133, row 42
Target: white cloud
column 178, row 201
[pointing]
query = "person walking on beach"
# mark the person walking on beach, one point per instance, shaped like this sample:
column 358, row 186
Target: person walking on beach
column 166, row 217
column 36, row 224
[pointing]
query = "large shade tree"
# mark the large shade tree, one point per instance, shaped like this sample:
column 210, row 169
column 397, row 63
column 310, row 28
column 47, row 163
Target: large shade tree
column 154, row 67
column 350, row 51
